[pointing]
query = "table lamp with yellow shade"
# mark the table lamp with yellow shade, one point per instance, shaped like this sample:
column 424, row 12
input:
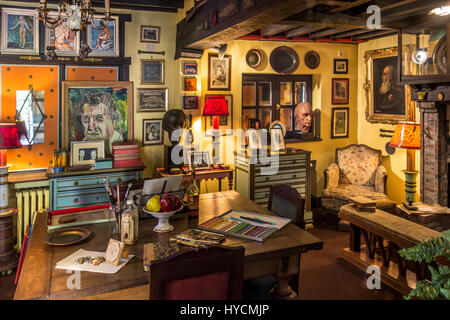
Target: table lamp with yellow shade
column 407, row 135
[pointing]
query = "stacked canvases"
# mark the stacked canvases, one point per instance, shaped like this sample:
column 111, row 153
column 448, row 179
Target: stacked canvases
column 125, row 154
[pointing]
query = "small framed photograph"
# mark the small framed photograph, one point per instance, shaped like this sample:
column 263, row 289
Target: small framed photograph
column 86, row 152
column 103, row 41
column 277, row 140
column 197, row 160
column 190, row 68
column 20, row 31
column 219, row 72
column 153, row 100
column 150, row 34
column 339, row 122
column 152, row 71
column 152, row 132
column 190, row 102
column 341, row 66
column 190, row 84
column 340, row 91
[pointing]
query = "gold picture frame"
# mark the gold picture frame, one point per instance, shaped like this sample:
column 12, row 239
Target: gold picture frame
column 386, row 101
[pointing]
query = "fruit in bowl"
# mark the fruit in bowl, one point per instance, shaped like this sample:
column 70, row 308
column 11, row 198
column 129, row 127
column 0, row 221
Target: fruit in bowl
column 177, row 202
column 154, row 204
column 167, row 203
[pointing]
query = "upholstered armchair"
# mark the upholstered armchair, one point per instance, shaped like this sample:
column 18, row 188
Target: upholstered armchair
column 357, row 172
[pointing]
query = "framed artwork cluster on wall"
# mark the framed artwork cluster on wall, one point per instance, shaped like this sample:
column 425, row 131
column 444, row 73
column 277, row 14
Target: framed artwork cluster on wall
column 189, row 71
column 340, row 95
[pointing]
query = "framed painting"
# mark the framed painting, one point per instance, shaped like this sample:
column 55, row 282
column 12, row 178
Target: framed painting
column 386, row 101
column 339, row 122
column 190, row 102
column 104, row 42
column 190, row 68
column 65, row 41
column 219, row 72
column 340, row 91
column 190, row 84
column 97, row 110
column 86, row 152
column 152, row 71
column 152, row 132
column 20, row 31
column 225, row 122
column 150, row 34
column 153, row 100
column 341, row 66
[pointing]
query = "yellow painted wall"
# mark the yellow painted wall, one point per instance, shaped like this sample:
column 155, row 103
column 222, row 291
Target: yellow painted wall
column 368, row 133
column 322, row 151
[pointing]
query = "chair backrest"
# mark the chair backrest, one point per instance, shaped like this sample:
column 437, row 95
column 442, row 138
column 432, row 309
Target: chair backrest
column 358, row 164
column 287, row 203
column 214, row 273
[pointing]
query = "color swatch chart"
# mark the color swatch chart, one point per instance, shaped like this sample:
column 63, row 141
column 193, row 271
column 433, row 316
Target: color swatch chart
column 237, row 228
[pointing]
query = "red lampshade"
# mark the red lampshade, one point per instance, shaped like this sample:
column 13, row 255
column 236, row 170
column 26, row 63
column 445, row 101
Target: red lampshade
column 9, row 136
column 406, row 135
column 215, row 106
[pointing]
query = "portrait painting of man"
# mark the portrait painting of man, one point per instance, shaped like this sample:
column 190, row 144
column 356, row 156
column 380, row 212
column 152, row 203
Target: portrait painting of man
column 388, row 97
column 98, row 113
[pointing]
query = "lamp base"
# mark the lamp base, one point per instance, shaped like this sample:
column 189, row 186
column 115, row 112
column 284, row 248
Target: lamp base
column 410, row 186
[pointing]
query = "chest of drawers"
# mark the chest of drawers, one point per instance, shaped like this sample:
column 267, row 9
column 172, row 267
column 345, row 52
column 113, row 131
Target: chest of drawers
column 254, row 176
column 86, row 188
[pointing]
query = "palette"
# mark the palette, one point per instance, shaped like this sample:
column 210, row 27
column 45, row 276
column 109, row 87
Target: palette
column 235, row 223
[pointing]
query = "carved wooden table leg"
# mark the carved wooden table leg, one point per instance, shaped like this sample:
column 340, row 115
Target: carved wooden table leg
column 355, row 238
column 282, row 290
column 230, row 181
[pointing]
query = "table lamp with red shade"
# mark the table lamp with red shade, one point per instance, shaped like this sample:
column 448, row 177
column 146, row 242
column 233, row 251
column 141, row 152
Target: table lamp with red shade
column 215, row 106
column 407, row 135
column 9, row 139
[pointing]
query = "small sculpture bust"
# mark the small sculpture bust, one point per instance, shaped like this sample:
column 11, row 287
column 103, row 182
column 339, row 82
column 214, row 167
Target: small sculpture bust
column 174, row 119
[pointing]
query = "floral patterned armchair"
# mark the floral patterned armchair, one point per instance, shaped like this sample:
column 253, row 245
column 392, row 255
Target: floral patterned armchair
column 357, row 172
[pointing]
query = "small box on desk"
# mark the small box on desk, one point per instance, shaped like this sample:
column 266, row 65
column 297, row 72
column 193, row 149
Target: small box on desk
column 103, row 164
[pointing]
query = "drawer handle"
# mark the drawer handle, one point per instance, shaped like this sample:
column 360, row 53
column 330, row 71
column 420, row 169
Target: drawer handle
column 75, row 183
column 267, row 178
column 119, row 180
column 75, row 200
column 294, row 175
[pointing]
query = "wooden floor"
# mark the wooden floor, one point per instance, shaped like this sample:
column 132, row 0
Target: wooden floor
column 324, row 275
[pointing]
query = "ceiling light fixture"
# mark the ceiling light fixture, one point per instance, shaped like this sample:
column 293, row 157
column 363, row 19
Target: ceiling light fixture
column 78, row 15
column 440, row 11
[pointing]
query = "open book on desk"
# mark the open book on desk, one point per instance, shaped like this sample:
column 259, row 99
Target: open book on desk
column 243, row 224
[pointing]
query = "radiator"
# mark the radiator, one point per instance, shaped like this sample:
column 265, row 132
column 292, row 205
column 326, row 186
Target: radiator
column 28, row 202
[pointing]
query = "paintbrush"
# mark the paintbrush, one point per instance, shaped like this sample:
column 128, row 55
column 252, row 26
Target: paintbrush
column 126, row 193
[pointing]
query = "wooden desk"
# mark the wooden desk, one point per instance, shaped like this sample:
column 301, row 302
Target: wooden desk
column 280, row 254
column 209, row 174
column 386, row 233
column 433, row 220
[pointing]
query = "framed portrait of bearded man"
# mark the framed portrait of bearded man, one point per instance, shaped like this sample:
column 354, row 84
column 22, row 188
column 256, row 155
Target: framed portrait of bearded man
column 387, row 102
column 97, row 110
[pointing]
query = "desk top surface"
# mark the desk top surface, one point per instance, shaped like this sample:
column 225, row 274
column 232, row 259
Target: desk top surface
column 40, row 280
column 407, row 232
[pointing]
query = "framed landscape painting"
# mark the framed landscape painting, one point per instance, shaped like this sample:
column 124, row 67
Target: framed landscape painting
column 152, row 100
column 104, row 42
column 150, row 34
column 20, row 31
column 97, row 110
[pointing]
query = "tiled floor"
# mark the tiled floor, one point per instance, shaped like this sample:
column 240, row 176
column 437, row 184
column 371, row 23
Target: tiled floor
column 323, row 274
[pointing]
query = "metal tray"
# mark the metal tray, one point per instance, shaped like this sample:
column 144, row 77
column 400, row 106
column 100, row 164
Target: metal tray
column 66, row 237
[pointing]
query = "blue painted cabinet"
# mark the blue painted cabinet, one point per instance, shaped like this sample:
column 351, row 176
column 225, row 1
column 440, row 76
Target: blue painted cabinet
column 82, row 189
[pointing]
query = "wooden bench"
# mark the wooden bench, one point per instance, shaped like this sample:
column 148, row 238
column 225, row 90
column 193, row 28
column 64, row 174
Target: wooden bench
column 384, row 235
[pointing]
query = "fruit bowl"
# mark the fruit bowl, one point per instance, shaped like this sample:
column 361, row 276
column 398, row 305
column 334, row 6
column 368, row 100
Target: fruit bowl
column 163, row 219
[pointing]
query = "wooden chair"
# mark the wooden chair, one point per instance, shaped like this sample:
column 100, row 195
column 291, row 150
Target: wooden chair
column 214, row 273
column 287, row 203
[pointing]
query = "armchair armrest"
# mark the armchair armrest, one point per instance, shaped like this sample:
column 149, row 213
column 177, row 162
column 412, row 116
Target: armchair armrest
column 380, row 179
column 332, row 176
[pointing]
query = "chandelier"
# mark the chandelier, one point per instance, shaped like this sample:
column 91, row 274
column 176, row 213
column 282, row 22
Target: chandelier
column 77, row 15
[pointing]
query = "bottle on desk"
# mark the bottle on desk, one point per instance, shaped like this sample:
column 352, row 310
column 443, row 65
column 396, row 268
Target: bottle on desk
column 192, row 198
column 130, row 224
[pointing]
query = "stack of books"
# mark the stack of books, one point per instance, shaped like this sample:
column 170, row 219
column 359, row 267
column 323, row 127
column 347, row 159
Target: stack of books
column 125, row 154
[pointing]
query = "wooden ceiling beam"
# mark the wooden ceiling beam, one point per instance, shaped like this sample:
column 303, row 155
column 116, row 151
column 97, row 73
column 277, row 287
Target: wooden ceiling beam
column 350, row 5
column 350, row 33
column 328, row 32
column 276, row 28
column 301, row 31
column 372, row 34
column 148, row 5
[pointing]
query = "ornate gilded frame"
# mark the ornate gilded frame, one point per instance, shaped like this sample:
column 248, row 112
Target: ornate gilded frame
column 371, row 116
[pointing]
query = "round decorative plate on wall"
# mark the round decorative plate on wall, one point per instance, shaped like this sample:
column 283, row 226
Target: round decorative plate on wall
column 253, row 58
column 284, row 60
column 312, row 59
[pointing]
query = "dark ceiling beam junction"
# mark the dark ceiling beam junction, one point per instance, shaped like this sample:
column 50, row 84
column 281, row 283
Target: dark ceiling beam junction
column 350, row 5
column 349, row 33
column 232, row 21
column 372, row 34
column 277, row 28
column 301, row 31
column 328, row 32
